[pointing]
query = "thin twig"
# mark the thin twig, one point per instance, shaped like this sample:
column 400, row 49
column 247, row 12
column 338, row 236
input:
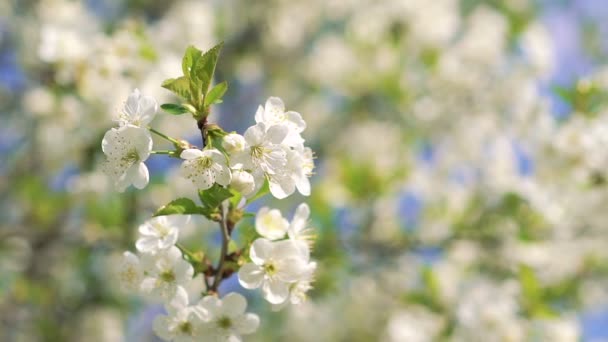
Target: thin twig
column 225, row 240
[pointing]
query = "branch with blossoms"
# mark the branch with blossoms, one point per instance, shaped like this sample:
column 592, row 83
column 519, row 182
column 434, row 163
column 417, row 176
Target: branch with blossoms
column 229, row 172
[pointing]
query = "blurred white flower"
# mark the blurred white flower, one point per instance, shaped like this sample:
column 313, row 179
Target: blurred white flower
column 182, row 323
column 270, row 223
column 160, row 233
column 227, row 318
column 165, row 273
column 275, row 265
column 126, row 149
column 299, row 230
column 130, row 272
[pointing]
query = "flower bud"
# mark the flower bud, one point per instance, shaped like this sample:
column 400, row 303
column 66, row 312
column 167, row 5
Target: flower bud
column 233, row 143
column 242, row 181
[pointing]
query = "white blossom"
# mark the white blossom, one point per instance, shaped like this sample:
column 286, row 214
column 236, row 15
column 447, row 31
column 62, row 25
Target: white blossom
column 138, row 110
column 299, row 230
column 227, row 318
column 160, row 233
column 243, row 182
column 233, row 143
column 273, row 113
column 270, row 223
column 262, row 149
column 204, row 168
column 130, row 272
column 274, row 266
column 165, row 273
column 182, row 323
column 126, row 149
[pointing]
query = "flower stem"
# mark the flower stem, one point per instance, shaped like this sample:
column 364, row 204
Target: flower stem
column 174, row 141
column 225, row 240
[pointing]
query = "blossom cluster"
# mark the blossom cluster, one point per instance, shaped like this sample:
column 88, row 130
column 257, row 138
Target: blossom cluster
column 228, row 172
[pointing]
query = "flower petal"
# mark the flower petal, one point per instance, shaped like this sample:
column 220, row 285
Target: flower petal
column 234, row 304
column 248, row 324
column 275, row 291
column 260, row 251
column 191, row 153
column 138, row 174
column 223, row 176
column 277, row 133
column 251, row 276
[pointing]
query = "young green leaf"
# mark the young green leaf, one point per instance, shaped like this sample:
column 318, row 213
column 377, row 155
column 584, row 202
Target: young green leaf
column 203, row 68
column 190, row 56
column 174, row 109
column 184, row 206
column 214, row 196
column 180, row 86
column 216, row 93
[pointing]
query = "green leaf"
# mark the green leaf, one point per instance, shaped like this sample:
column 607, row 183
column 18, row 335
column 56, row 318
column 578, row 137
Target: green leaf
column 174, row 109
column 184, row 206
column 232, row 247
column 190, row 56
column 214, row 196
column 236, row 198
column 179, row 86
column 216, row 93
column 203, row 68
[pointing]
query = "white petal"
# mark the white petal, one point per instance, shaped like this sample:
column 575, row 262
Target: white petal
column 139, row 175
column 275, row 291
column 147, row 244
column 302, row 213
column 147, row 110
column 287, row 249
column 248, row 324
column 296, row 121
column 303, row 185
column 211, row 304
column 259, row 114
column 178, row 302
column 281, row 187
column 161, row 328
column 191, row 153
column 173, row 254
column 254, row 135
column 132, row 105
column 223, row 176
column 183, row 271
column 251, row 276
column 205, row 179
column 274, row 104
column 277, row 133
column 234, row 304
column 178, row 221
column 260, row 251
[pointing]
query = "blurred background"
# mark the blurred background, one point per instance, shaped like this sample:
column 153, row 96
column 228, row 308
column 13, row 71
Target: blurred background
column 461, row 186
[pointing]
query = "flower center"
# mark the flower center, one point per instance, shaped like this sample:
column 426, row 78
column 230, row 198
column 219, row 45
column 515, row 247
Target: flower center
column 204, row 162
column 162, row 230
column 167, row 276
column 224, row 322
column 270, row 268
column 131, row 157
column 185, row 328
column 129, row 275
column 257, row 151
